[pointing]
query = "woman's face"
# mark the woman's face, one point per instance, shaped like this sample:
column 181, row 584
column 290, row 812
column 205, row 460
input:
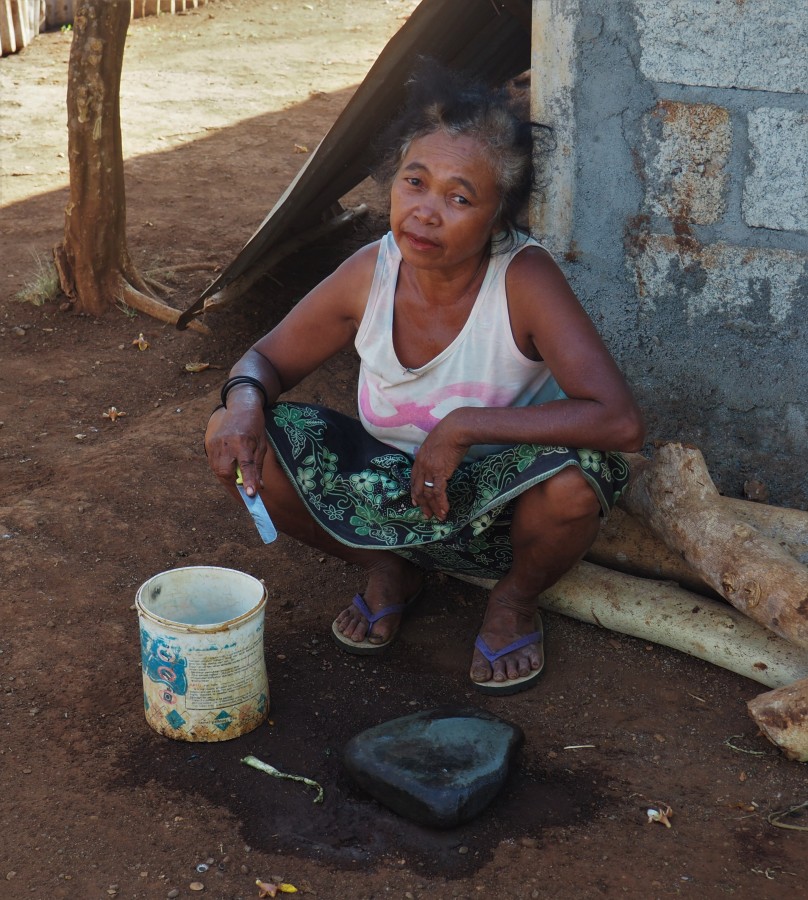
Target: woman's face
column 443, row 202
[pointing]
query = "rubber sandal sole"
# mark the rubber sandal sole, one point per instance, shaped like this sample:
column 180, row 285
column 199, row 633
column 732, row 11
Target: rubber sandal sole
column 369, row 648
column 514, row 685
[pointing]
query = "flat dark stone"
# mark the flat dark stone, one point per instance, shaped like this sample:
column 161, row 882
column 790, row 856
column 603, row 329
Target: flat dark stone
column 441, row 767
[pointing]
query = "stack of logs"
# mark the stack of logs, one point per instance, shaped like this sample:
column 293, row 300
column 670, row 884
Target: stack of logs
column 724, row 580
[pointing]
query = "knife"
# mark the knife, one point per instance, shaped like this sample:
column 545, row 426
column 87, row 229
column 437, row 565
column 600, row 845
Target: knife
column 255, row 507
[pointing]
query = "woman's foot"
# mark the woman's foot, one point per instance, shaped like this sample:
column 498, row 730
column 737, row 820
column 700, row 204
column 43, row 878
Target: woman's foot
column 393, row 582
column 505, row 625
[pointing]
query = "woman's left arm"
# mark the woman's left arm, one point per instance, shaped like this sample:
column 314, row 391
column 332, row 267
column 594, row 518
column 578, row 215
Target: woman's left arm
column 548, row 323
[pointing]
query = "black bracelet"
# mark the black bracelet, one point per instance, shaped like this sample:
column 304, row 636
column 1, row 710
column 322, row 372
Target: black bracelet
column 242, row 379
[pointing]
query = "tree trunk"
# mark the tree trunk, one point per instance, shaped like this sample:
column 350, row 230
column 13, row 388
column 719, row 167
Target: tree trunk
column 94, row 256
column 675, row 497
column 93, row 261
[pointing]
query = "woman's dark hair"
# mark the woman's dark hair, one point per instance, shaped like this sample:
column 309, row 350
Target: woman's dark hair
column 443, row 100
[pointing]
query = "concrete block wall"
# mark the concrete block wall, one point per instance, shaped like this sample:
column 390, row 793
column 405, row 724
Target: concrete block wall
column 677, row 204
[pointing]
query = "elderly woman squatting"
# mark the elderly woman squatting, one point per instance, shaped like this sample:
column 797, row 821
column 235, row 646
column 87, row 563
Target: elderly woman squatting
column 481, row 378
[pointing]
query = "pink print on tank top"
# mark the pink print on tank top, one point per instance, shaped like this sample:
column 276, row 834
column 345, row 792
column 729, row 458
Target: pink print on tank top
column 420, row 414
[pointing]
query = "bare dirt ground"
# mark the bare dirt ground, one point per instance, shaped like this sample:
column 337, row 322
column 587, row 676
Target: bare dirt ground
column 92, row 802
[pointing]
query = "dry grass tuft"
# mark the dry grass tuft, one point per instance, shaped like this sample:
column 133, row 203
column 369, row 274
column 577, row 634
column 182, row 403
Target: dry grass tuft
column 43, row 285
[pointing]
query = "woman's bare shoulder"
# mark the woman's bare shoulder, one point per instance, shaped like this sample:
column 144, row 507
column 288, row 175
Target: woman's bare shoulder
column 361, row 263
column 537, row 289
column 344, row 292
column 534, row 266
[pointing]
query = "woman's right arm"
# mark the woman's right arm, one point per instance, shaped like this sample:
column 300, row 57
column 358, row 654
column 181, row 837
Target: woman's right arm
column 324, row 322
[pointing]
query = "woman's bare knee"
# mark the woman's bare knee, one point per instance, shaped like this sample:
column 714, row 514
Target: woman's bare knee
column 569, row 495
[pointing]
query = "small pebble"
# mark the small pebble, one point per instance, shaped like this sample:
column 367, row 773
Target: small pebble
column 463, row 850
column 10, row 875
column 196, row 886
column 245, row 870
column 174, row 892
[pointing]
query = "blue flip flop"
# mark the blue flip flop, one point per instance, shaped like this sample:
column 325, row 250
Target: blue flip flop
column 512, row 685
column 366, row 647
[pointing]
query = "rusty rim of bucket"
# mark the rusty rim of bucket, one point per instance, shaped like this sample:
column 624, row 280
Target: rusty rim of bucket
column 213, row 626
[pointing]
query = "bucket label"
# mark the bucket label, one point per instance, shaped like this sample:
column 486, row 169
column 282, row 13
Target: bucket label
column 208, row 676
column 164, row 664
column 226, row 676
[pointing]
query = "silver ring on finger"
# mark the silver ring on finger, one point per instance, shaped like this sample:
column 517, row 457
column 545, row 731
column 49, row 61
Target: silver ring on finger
column 429, row 484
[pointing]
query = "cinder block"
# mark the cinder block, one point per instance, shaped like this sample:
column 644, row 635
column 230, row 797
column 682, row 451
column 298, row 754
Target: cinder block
column 733, row 281
column 725, row 43
column 686, row 177
column 776, row 188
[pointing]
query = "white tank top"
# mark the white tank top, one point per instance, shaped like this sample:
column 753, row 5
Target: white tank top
column 481, row 367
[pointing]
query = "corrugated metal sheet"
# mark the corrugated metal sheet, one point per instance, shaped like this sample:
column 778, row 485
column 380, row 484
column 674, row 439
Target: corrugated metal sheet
column 490, row 38
column 22, row 20
column 20, row 23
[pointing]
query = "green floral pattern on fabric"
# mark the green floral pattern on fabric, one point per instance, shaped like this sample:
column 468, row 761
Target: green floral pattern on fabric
column 358, row 489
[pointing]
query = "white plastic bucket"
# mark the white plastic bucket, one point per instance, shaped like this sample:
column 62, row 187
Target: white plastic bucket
column 202, row 652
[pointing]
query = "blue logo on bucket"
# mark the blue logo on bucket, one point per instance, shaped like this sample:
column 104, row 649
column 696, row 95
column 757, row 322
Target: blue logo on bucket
column 174, row 719
column 223, row 720
column 164, row 665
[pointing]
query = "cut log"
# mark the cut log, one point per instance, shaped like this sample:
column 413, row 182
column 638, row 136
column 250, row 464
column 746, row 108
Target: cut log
column 626, row 544
column 782, row 715
column 665, row 614
column 674, row 494
column 788, row 527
